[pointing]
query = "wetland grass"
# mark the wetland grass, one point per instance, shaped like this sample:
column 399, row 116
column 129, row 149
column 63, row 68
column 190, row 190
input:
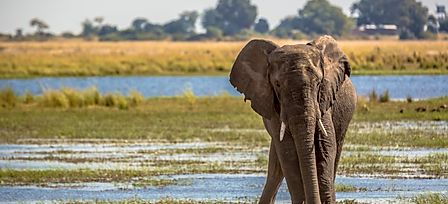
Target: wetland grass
column 86, row 114
column 433, row 165
column 140, row 176
column 430, row 198
column 82, row 58
column 348, row 188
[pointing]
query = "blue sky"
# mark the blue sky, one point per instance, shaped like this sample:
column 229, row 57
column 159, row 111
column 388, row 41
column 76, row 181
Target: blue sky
column 67, row 15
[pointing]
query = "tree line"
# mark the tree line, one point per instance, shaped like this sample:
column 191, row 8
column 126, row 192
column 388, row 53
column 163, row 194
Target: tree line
column 238, row 20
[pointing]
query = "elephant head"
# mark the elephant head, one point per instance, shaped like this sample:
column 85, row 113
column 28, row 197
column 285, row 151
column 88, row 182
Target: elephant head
column 296, row 83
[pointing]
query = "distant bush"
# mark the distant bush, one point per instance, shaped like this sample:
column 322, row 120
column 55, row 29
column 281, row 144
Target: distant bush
column 373, row 97
column 54, row 98
column 75, row 98
column 91, row 96
column 28, row 98
column 115, row 100
column 8, row 97
column 136, row 98
column 409, row 99
column 72, row 98
column 189, row 96
column 385, row 97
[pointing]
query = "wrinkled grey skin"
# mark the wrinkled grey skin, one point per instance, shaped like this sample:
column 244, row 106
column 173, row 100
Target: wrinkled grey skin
column 299, row 85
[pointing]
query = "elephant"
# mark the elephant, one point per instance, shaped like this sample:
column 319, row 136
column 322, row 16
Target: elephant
column 306, row 99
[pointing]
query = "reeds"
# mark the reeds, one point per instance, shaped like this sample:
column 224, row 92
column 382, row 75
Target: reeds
column 71, row 98
column 8, row 98
column 383, row 98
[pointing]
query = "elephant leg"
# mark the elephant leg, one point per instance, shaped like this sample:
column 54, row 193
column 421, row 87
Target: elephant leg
column 326, row 149
column 288, row 159
column 274, row 178
column 343, row 110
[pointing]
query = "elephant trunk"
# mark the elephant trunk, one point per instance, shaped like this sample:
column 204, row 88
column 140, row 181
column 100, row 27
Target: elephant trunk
column 302, row 123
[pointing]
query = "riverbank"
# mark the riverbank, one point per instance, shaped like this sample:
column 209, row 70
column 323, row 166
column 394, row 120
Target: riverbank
column 79, row 115
column 82, row 58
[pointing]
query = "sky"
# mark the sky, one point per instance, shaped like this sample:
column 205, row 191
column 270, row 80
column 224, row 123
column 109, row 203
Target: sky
column 67, row 15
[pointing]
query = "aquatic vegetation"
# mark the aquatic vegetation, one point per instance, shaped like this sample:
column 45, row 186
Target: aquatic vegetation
column 75, row 58
column 169, row 200
column 433, row 165
column 165, row 118
column 189, row 96
column 162, row 167
column 385, row 97
column 348, row 188
column 115, row 100
column 160, row 182
column 433, row 198
column 26, row 177
column 28, row 98
column 54, row 99
column 373, row 96
column 136, row 98
column 8, row 98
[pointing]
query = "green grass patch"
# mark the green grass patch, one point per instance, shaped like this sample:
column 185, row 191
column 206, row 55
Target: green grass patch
column 348, row 188
column 199, row 119
column 435, row 165
column 433, row 198
column 26, row 177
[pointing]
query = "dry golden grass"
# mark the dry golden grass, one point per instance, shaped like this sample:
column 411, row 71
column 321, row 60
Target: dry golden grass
column 81, row 58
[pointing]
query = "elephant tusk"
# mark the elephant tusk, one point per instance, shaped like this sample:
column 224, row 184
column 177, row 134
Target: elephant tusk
column 282, row 131
column 322, row 128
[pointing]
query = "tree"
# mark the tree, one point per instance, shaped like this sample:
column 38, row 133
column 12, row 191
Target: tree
column 139, row 24
column 184, row 25
column 262, row 26
column 409, row 15
column 320, row 17
column 88, row 29
column 19, row 33
column 316, row 17
column 39, row 24
column 443, row 25
column 107, row 29
column 231, row 16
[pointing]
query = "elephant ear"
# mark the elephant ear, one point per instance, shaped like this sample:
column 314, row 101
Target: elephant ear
column 335, row 68
column 250, row 76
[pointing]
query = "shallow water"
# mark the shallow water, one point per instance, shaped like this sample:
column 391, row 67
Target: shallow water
column 218, row 186
column 378, row 187
column 400, row 87
column 433, row 127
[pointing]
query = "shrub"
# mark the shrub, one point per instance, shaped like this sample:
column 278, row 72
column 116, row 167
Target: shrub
column 136, row 98
column 28, row 98
column 409, row 99
column 189, row 96
column 91, row 96
column 108, row 100
column 8, row 97
column 385, row 97
column 55, row 99
column 122, row 103
column 434, row 198
column 115, row 100
column 74, row 97
column 373, row 97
